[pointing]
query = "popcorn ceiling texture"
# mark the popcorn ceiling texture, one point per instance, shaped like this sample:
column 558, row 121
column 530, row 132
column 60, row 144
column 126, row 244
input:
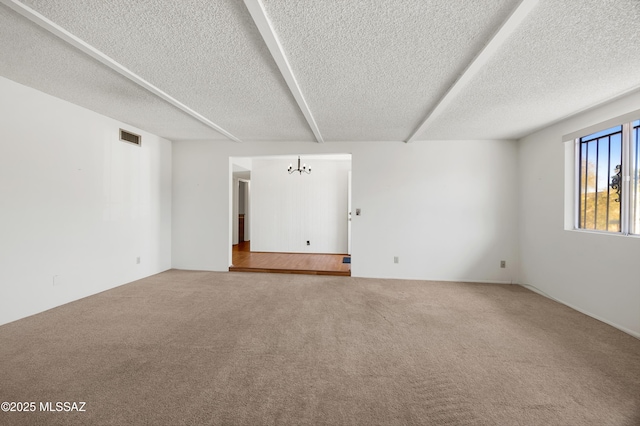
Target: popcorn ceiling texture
column 206, row 54
column 33, row 57
column 565, row 57
column 370, row 70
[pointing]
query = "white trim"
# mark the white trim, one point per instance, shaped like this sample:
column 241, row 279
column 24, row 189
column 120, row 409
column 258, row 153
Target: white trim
column 608, row 233
column 86, row 48
column 611, row 323
column 612, row 122
column 625, row 195
column 510, row 25
column 501, row 282
column 442, row 280
column 259, row 15
column 571, row 189
column 634, row 190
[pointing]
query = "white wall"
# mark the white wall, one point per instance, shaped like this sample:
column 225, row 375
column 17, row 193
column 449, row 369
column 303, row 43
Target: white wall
column 594, row 273
column 447, row 209
column 201, row 220
column 75, row 203
column 289, row 210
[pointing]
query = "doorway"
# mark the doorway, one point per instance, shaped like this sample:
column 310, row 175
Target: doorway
column 243, row 208
column 291, row 213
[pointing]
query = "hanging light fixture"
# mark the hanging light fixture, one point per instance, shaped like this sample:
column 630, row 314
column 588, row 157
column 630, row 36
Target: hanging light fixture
column 303, row 169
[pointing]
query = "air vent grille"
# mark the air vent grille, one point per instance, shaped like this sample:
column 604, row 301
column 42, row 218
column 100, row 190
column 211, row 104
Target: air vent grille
column 130, row 137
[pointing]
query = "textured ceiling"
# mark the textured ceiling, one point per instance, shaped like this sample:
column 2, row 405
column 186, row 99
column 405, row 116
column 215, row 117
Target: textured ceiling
column 32, row 56
column 566, row 56
column 371, row 69
column 368, row 70
column 207, row 54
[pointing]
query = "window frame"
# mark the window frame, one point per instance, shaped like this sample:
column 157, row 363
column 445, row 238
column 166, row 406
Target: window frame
column 627, row 198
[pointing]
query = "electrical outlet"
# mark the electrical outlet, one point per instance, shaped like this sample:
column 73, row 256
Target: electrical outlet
column 138, row 260
column 396, row 259
column 308, row 242
column 503, row 263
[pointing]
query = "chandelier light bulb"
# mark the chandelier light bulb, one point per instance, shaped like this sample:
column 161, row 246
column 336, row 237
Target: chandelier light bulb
column 299, row 170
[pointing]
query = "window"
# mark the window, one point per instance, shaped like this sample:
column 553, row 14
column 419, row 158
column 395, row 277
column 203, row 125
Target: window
column 635, row 177
column 608, row 179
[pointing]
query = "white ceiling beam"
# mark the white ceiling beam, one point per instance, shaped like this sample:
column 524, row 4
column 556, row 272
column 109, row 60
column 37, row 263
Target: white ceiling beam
column 259, row 15
column 85, row 47
column 514, row 20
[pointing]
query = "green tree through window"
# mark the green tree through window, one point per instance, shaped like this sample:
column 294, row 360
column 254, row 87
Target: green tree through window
column 608, row 189
column 599, row 175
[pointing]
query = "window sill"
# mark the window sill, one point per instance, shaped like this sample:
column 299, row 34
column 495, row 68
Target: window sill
column 611, row 234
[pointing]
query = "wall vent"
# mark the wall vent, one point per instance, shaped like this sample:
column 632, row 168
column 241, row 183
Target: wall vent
column 130, row 137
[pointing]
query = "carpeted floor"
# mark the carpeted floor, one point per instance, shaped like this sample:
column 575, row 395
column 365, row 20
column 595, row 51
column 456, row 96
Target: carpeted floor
column 238, row 348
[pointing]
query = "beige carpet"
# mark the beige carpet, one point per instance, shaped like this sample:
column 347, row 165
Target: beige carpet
column 239, row 348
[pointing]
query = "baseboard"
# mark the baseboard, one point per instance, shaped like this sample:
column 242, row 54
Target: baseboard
column 611, row 323
column 446, row 280
column 480, row 281
column 75, row 298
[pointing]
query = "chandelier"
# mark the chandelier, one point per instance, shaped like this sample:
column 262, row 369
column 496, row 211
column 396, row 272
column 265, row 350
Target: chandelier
column 303, row 169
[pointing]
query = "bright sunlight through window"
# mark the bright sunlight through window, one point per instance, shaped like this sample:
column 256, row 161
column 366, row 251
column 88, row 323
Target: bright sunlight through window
column 608, row 192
